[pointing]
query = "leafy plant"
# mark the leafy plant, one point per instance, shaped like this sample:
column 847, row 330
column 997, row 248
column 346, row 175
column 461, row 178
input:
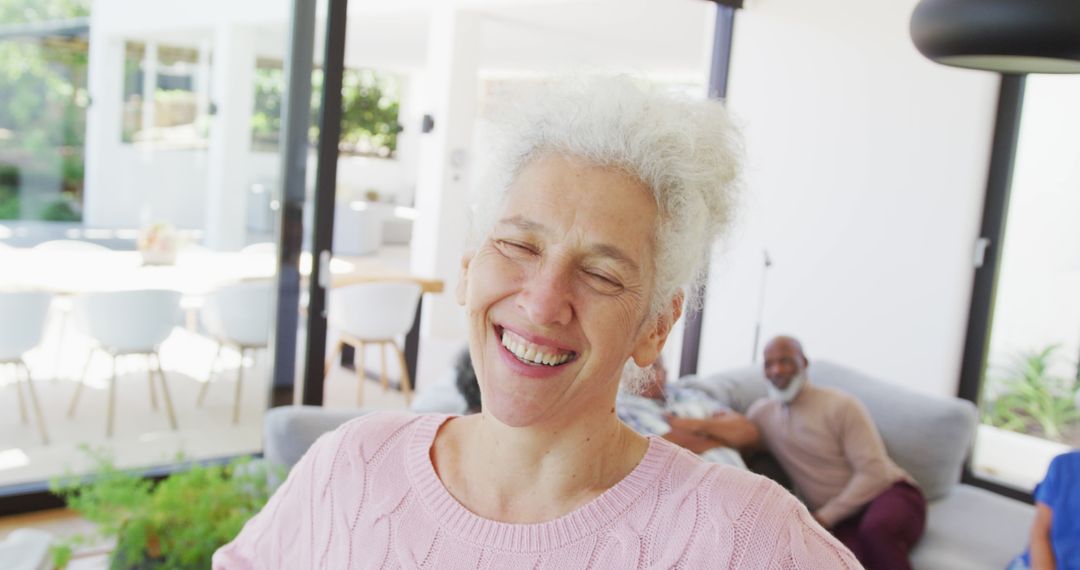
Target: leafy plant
column 61, row 210
column 370, row 103
column 1031, row 396
column 174, row 524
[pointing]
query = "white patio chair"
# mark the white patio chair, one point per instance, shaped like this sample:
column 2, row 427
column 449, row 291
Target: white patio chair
column 123, row 323
column 62, row 303
column 237, row 315
column 23, row 315
column 372, row 313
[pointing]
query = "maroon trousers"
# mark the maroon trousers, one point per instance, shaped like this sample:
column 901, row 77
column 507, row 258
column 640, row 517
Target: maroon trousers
column 882, row 534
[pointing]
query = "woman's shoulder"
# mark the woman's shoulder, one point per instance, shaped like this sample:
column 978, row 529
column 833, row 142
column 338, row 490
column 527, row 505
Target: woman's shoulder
column 376, row 431
column 732, row 490
column 383, row 422
column 738, row 499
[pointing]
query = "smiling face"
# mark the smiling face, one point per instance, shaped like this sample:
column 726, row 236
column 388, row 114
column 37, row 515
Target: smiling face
column 557, row 295
column 784, row 360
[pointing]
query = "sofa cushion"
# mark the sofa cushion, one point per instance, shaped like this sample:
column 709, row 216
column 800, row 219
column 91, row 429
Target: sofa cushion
column 973, row 528
column 928, row 436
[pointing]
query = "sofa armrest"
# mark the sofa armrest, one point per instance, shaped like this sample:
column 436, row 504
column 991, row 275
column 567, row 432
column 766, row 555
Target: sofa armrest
column 289, row 431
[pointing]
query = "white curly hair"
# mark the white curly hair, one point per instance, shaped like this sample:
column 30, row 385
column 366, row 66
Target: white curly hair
column 687, row 151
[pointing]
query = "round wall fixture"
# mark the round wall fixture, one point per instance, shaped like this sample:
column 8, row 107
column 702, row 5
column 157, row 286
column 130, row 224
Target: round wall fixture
column 1006, row 36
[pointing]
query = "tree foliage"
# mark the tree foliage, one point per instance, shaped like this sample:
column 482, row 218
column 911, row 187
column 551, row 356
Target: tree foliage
column 43, row 118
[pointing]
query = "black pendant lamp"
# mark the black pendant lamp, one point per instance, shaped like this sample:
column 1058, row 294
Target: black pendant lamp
column 1006, row 36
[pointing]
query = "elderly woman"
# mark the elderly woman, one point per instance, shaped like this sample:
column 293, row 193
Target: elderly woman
column 602, row 203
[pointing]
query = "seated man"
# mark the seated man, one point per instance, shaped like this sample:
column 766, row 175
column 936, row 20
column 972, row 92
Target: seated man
column 662, row 409
column 826, row 442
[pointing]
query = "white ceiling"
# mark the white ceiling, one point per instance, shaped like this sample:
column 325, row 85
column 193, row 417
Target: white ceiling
column 661, row 37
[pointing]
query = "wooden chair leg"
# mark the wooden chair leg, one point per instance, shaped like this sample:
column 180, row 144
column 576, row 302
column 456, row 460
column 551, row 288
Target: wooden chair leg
column 63, row 318
column 406, row 382
column 34, row 403
column 209, row 376
column 239, row 383
column 112, row 400
column 18, row 390
column 382, row 366
column 79, row 386
column 150, row 380
column 165, row 391
column 358, row 360
column 334, row 355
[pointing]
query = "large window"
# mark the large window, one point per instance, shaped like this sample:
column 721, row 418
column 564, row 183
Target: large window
column 1030, row 396
column 370, row 101
column 162, row 88
column 125, row 182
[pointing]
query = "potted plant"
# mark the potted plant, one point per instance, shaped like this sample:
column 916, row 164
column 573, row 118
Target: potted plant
column 175, row 523
column 1030, row 398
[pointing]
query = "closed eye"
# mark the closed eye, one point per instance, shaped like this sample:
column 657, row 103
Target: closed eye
column 604, row 281
column 515, row 247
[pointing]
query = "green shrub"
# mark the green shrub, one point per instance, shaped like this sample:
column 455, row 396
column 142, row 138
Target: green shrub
column 61, row 210
column 1031, row 398
column 10, row 207
column 174, row 524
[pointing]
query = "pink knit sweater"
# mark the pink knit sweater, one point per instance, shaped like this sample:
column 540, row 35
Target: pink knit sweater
column 367, row 496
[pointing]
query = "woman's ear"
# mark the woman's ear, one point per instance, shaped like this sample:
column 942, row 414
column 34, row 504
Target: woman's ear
column 463, row 277
column 650, row 345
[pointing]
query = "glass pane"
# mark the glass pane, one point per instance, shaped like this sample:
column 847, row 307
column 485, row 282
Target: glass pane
column 1029, row 404
column 407, row 145
column 157, row 251
column 134, row 54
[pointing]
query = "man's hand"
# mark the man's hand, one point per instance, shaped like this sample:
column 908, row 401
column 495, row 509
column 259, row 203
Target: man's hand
column 689, row 440
column 820, row 520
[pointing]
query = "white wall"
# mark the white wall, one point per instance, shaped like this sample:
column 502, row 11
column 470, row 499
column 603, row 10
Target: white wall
column 866, row 171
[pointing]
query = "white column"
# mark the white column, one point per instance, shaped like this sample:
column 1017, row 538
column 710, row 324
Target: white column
column 232, row 88
column 105, row 84
column 202, row 85
column 444, row 154
column 149, row 87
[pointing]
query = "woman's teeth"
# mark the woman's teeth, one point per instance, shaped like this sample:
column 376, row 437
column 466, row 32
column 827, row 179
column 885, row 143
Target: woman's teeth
column 531, row 353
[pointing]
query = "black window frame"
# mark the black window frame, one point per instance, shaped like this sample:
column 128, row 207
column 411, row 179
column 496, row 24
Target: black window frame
column 995, row 215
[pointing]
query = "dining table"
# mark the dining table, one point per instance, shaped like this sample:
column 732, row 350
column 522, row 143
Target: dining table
column 194, row 273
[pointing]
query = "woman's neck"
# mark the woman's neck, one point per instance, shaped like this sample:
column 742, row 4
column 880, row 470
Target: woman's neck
column 536, row 473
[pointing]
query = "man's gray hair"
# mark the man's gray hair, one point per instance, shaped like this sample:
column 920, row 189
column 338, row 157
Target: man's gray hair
column 686, row 151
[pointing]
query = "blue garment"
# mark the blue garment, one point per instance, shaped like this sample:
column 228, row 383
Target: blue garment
column 1060, row 491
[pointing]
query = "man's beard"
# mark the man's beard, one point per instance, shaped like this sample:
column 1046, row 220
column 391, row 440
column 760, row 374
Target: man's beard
column 789, row 392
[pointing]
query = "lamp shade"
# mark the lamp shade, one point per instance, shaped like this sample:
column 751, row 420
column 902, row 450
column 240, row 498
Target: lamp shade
column 1007, row 36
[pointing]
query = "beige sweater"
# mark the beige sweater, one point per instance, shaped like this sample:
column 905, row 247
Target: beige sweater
column 827, row 443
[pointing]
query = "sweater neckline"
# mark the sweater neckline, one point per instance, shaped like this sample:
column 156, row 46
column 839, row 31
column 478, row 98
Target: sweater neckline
column 524, row 537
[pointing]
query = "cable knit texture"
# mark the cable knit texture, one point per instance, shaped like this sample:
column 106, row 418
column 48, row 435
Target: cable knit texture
column 367, row 496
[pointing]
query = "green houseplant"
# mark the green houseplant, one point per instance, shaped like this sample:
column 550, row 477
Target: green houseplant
column 176, row 523
column 1030, row 397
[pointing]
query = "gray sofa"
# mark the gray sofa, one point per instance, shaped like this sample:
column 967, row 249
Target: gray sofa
column 967, row 527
